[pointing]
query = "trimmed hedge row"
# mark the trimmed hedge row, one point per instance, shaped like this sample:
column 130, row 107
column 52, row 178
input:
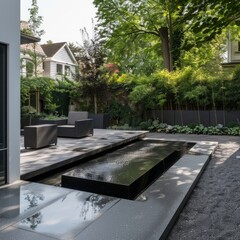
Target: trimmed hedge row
column 219, row 129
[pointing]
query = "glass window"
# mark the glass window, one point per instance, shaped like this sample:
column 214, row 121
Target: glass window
column 29, row 68
column 59, row 69
column 3, row 112
column 67, row 70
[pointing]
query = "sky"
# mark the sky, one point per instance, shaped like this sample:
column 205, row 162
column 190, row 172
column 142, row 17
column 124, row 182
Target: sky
column 62, row 19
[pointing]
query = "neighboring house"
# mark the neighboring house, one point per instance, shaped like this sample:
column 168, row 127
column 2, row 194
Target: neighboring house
column 233, row 53
column 53, row 60
column 31, row 53
column 59, row 62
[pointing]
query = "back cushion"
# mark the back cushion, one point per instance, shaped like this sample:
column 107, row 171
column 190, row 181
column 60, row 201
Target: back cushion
column 74, row 116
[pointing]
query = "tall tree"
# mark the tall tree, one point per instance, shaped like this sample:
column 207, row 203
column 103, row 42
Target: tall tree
column 35, row 20
column 35, row 23
column 163, row 23
column 90, row 55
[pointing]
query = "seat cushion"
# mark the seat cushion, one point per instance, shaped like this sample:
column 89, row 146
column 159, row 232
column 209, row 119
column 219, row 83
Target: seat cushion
column 66, row 126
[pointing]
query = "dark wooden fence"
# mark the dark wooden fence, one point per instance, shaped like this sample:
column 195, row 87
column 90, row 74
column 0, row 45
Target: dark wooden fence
column 184, row 117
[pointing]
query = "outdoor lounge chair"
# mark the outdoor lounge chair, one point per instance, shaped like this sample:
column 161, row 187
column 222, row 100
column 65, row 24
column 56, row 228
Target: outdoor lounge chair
column 77, row 125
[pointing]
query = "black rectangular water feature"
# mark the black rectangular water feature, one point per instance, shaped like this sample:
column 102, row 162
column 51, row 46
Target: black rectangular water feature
column 126, row 172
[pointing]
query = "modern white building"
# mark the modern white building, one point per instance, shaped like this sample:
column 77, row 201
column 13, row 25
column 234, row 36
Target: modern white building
column 9, row 91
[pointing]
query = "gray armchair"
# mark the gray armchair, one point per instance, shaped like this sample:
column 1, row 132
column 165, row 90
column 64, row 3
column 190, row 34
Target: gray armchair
column 77, row 125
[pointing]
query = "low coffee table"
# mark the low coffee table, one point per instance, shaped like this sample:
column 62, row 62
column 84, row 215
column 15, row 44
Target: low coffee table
column 38, row 136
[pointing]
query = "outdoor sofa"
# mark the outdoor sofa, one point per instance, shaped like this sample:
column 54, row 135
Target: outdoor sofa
column 76, row 126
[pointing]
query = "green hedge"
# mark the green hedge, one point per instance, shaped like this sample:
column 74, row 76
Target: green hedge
column 155, row 126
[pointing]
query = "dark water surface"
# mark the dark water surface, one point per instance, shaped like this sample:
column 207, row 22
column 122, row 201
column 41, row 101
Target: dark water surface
column 125, row 172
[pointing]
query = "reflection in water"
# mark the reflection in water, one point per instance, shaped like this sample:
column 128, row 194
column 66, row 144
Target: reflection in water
column 93, row 204
column 33, row 221
column 19, row 199
column 33, row 199
column 68, row 215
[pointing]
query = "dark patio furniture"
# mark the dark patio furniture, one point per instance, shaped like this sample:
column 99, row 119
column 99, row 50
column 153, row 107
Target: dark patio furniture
column 38, row 136
column 77, row 125
column 53, row 121
column 100, row 120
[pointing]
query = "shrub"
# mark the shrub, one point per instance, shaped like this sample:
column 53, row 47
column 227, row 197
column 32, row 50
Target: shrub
column 146, row 125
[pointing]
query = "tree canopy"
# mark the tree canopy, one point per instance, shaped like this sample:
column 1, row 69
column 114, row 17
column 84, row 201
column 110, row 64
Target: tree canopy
column 129, row 27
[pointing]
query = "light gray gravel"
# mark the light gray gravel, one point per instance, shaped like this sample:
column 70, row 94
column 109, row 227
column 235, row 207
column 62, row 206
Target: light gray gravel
column 213, row 209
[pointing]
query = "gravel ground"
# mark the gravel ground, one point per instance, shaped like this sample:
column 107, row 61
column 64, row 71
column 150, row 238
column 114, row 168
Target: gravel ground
column 213, row 209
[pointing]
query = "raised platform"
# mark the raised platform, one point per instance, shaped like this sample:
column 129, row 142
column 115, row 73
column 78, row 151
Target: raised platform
column 125, row 172
column 71, row 150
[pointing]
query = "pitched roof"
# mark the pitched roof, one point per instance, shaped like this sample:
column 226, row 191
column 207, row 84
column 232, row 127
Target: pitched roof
column 32, row 47
column 25, row 38
column 51, row 49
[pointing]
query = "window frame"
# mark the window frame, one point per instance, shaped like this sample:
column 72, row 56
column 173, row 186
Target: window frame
column 58, row 65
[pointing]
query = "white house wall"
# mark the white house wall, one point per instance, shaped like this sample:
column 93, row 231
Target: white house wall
column 53, row 69
column 47, row 69
column 10, row 35
column 63, row 56
column 26, row 58
column 50, row 69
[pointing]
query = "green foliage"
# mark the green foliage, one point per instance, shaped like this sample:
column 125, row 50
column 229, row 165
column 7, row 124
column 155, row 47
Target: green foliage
column 54, row 117
column 186, row 89
column 145, row 125
column 91, row 57
column 208, row 56
column 121, row 113
column 33, row 85
column 132, row 29
column 232, row 125
column 33, row 29
column 232, row 91
column 61, row 96
column 26, row 110
column 29, row 69
column 155, row 126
